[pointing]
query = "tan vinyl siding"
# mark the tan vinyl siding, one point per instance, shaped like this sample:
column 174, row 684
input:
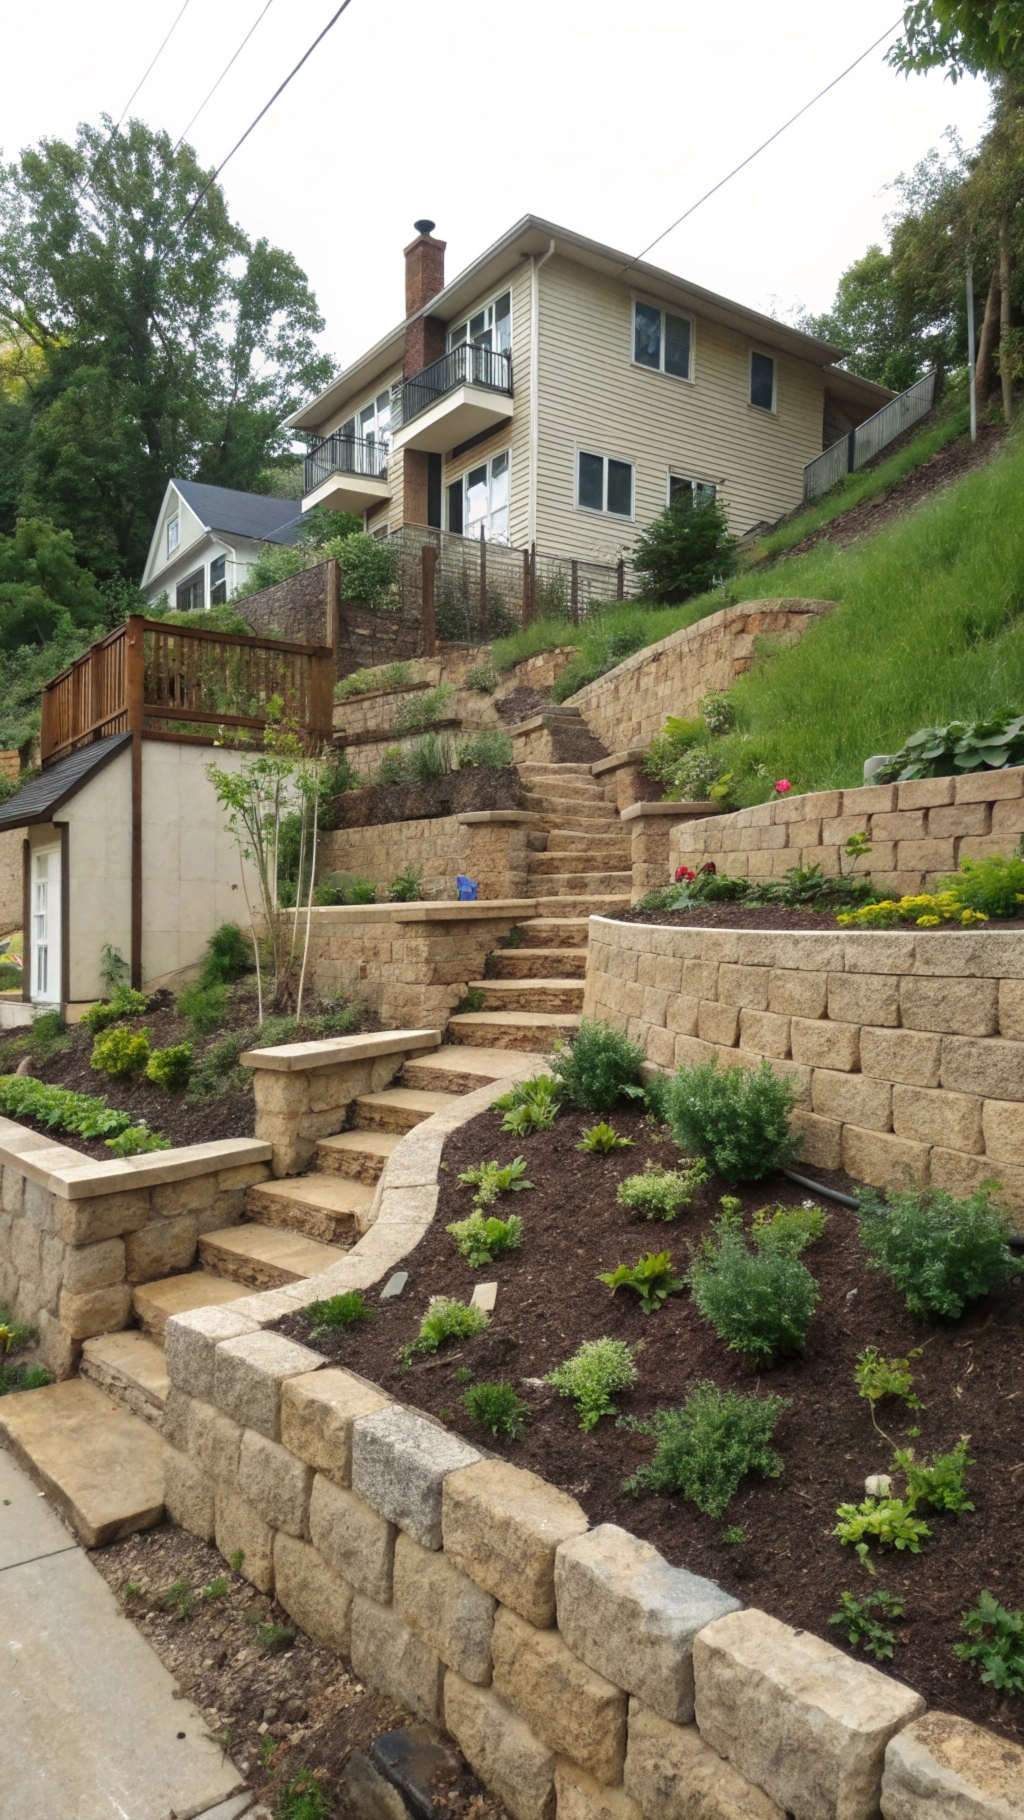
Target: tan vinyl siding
column 593, row 396
column 514, row 436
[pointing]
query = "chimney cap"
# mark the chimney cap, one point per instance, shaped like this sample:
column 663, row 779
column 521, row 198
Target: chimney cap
column 424, row 227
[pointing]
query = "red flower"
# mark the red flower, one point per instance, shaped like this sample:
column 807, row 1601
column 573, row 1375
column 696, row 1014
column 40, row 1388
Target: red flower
column 710, row 868
column 783, row 785
column 684, row 872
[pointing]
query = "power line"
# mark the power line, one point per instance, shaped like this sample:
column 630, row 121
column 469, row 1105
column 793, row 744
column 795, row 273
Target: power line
column 761, row 148
column 220, row 78
column 152, row 64
column 333, row 20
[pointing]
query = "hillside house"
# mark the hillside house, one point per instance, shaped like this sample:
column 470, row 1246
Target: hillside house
column 206, row 540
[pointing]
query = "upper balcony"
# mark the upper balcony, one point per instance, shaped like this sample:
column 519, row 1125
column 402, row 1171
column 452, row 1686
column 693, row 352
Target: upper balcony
column 468, row 390
column 346, row 474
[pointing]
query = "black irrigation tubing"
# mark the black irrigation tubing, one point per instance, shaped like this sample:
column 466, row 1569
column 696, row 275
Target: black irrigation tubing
column 1015, row 1241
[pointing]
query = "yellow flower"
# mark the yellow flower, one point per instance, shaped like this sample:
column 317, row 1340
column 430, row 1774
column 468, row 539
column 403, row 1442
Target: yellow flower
column 973, row 916
column 928, row 922
column 844, row 921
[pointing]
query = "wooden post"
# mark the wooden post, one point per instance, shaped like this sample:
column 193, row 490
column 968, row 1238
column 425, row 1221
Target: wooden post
column 482, row 623
column 574, row 592
column 135, row 692
column 332, row 635
column 620, row 579
column 428, row 558
column 527, row 597
column 321, row 695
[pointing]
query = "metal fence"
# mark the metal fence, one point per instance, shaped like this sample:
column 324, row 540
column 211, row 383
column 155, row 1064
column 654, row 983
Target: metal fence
column 856, row 449
column 485, row 590
column 463, row 365
column 340, row 454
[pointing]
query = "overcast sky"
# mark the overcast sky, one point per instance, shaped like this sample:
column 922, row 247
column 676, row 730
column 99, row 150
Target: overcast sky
column 607, row 119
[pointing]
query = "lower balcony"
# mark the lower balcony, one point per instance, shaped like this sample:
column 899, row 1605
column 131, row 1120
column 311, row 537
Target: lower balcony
column 346, row 474
column 467, row 391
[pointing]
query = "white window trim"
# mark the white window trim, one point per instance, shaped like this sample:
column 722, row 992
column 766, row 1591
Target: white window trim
column 175, row 524
column 602, row 511
column 460, row 480
column 684, row 316
column 771, row 410
column 466, row 316
column 694, row 480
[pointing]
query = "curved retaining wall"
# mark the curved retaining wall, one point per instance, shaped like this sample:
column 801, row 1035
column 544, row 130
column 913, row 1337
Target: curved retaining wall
column 907, row 1048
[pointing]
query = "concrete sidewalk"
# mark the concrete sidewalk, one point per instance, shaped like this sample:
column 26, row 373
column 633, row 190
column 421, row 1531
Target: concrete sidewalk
column 92, row 1727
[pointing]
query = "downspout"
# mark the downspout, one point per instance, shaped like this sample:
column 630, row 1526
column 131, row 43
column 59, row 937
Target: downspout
column 535, row 265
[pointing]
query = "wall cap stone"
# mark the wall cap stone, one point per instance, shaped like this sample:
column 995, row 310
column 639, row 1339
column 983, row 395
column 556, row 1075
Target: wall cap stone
column 700, row 809
column 75, row 1177
column 333, row 1051
column 617, row 761
column 472, row 817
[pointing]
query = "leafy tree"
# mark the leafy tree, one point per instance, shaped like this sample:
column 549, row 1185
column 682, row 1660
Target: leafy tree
column 163, row 341
column 963, row 37
column 43, row 591
column 874, row 317
column 685, row 550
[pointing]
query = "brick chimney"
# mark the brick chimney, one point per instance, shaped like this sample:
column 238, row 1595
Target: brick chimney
column 424, row 278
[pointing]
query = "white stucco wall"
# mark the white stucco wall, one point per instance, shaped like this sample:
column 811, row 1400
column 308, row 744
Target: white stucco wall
column 191, row 869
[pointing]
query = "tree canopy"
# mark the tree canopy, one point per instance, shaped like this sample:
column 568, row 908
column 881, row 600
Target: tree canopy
column 963, row 37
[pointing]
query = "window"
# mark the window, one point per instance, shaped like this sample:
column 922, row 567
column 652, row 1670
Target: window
column 218, row 580
column 490, row 328
column 762, row 381
column 190, row 595
column 173, row 534
column 662, row 341
column 700, row 491
column 604, row 485
column 369, row 426
column 480, row 500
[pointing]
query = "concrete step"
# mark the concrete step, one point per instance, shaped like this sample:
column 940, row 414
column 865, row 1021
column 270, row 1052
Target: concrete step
column 537, row 964
column 154, row 1303
column 326, row 1207
column 550, row 994
column 573, row 839
column 359, row 1155
column 101, row 1467
column 553, row 931
column 535, row 1031
column 549, row 767
column 130, row 1367
column 566, row 884
column 264, row 1257
column 560, row 905
column 457, row 1069
column 565, row 789
column 399, row 1108
column 611, row 855
column 575, row 809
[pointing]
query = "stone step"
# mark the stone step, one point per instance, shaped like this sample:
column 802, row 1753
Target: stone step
column 560, row 822
column 565, row 884
column 597, row 838
column 576, row 808
column 553, row 931
column 537, row 964
column 560, row 905
column 101, row 1467
column 359, row 1155
column 264, row 1257
column 535, row 1031
column 154, row 1303
column 565, row 789
column 327, row 1207
column 399, row 1108
column 613, row 855
column 457, row 1069
column 550, row 767
column 531, row 995
column 130, row 1367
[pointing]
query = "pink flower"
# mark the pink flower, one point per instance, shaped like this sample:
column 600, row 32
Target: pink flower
column 782, row 786
column 684, row 872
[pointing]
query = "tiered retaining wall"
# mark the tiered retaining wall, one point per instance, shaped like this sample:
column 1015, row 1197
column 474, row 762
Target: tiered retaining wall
column 409, row 963
column 490, row 846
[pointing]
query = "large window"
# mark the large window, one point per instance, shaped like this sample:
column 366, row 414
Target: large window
column 190, row 595
column 479, row 501
column 218, row 580
column 173, row 534
column 373, row 423
column 490, row 328
column 604, row 485
column 762, row 381
column 662, row 341
column 699, row 492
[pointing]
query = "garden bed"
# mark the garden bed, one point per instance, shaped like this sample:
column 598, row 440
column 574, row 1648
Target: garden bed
column 969, row 1377
column 453, row 793
column 775, row 916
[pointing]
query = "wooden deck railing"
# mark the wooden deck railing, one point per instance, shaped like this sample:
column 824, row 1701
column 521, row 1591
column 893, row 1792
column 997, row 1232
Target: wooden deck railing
column 188, row 684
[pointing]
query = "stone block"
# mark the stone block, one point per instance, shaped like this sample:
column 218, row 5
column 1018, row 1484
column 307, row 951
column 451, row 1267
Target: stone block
column 926, row 856
column 821, row 1044
column 802, row 1721
column 993, row 1069
column 357, row 1544
column 880, row 950
column 908, row 1056
column 444, row 1607
column 743, row 986
column 935, row 1117
column 240, row 1531
column 567, row 1705
column 948, row 1768
column 12, row 1192
column 317, row 1413
column 660, row 1046
column 882, row 1160
column 100, row 1216
column 1003, row 1126
column 173, row 1199
column 957, row 1173
column 924, row 793
column 399, row 1463
column 765, row 1032
column 821, row 1139
column 175, row 1419
column 579, row 1797
column 191, row 1342
column 501, row 1748
column 275, row 1483
column 719, row 1024
column 989, row 786
column 89, row 1267
column 95, row 1310
column 188, row 1494
column 797, row 992
column 1011, row 1009
column 903, row 824
column 314, row 1597
column 631, row 1617
column 863, row 998
column 390, row 1658
column 964, row 818
column 214, row 1440
column 161, row 1248
column 870, row 799
column 962, row 1007
column 681, row 1014
column 248, row 1374
column 856, row 1099
column 671, row 1774
column 502, row 1526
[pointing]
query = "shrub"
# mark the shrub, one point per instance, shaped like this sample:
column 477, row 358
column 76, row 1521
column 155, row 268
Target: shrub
column 492, row 748
column 215, row 1071
column 202, row 1008
column 940, row 1483
column 123, row 1002
column 407, row 887
column 424, row 710
column 367, row 682
column 795, row 1227
column 493, row 1178
column 864, row 1631
column 667, row 747
column 939, row 1252
column 368, row 566
column 993, row 886
column 338, row 1313
column 686, row 549
column 593, row 1375
column 228, row 955
column 446, row 1319
column 600, row 1139
column 705, row 1449
column 85, row 1115
column 428, row 758
column 361, row 891
column 474, row 999
column 392, row 768
column 759, row 1299
column 20, row 1376
column 46, row 1036
column 995, row 1644
column 652, row 1276
column 481, row 1238
column 120, row 1051
column 483, row 677
column 599, row 1067
column 738, row 1118
column 718, row 711
column 170, row 1068
column 661, row 1194
column 496, row 1407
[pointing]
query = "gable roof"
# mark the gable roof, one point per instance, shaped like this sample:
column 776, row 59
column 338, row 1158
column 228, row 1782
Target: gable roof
column 38, row 800
column 227, row 509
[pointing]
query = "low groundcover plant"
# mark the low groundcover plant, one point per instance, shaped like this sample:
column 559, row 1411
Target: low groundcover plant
column 705, row 1449
column 592, row 1376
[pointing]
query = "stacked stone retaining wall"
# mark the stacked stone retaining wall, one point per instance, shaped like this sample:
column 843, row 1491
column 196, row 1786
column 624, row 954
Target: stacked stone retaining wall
column 410, row 964
column 488, row 846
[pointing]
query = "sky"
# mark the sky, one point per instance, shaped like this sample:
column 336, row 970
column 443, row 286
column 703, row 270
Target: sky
column 608, row 119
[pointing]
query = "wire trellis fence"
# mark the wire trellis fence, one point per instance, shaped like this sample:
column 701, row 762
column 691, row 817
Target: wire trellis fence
column 483, row 591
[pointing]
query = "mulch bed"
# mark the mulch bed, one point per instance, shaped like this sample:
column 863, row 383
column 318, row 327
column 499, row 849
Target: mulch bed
column 970, row 1377
column 456, row 793
column 778, row 916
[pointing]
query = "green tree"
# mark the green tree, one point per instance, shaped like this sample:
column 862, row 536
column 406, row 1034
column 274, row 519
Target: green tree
column 685, row 550
column 165, row 341
column 870, row 318
column 44, row 594
column 963, row 37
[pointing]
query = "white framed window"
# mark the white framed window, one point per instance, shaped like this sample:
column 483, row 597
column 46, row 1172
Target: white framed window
column 190, row 594
column 218, row 580
column 370, row 425
column 700, row 491
column 490, row 327
column 480, row 500
column 173, row 534
column 762, row 380
column 604, row 484
column 662, row 340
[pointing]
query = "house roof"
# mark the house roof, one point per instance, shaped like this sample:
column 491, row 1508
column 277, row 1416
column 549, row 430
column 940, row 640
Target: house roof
column 260, row 515
column 533, row 235
column 37, row 801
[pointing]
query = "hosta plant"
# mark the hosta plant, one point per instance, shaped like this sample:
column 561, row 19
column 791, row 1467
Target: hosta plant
column 531, row 1105
column 888, row 1521
column 652, row 1277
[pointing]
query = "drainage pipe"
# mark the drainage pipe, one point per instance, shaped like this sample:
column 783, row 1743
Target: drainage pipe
column 1015, row 1241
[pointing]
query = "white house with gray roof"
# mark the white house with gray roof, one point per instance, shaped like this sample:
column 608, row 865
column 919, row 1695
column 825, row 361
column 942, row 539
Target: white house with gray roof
column 206, row 540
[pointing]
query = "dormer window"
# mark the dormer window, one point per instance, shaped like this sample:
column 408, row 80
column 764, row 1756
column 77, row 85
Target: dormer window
column 173, row 534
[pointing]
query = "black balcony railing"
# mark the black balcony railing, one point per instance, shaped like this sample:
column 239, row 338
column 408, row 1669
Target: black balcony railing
column 340, row 454
column 464, row 365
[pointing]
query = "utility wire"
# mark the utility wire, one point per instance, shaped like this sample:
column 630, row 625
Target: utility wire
column 761, row 148
column 153, row 62
column 232, row 60
column 333, row 20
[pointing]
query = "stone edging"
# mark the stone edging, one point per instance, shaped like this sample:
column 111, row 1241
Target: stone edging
column 75, row 1176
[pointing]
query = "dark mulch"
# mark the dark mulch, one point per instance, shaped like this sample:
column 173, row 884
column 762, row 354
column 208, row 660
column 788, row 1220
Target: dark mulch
column 521, row 704
column 970, row 1377
column 775, row 916
column 456, row 793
